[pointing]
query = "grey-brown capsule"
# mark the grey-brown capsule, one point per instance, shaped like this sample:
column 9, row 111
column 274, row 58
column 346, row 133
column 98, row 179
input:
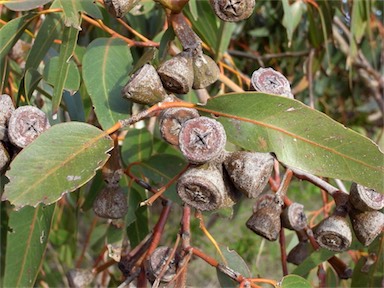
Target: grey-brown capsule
column 267, row 199
column 111, row 203
column 293, row 217
column 249, row 171
column 6, row 109
column 79, row 278
column 4, row 156
column 334, row 233
column 300, row 252
column 171, row 121
column 365, row 199
column 268, row 80
column 205, row 70
column 202, row 187
column 26, row 124
column 3, row 134
column 156, row 263
column 202, row 140
column 119, row 8
column 177, row 73
column 367, row 225
column 266, row 222
column 233, row 10
column 145, row 87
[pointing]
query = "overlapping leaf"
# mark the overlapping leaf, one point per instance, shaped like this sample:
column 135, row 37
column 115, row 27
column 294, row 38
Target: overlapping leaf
column 105, row 71
column 301, row 137
column 59, row 161
column 26, row 244
column 24, row 5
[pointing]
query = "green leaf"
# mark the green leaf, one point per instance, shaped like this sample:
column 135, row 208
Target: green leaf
column 60, row 160
column 294, row 281
column 31, row 81
column 67, row 48
column 24, row 5
column 26, row 244
column 224, row 35
column 235, row 262
column 160, row 169
column 105, row 71
column 137, row 146
column 312, row 261
column 292, row 17
column 12, row 31
column 48, row 32
column 72, row 8
column 53, row 68
column 301, row 137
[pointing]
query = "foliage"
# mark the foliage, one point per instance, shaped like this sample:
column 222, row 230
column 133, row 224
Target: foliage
column 72, row 58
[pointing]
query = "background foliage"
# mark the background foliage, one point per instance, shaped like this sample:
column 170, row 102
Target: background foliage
column 71, row 59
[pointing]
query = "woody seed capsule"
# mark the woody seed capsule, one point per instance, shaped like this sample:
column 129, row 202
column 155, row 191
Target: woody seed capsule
column 233, row 10
column 6, row 109
column 366, row 225
column 365, row 199
column 156, row 262
column 267, row 80
column 205, row 70
column 111, row 203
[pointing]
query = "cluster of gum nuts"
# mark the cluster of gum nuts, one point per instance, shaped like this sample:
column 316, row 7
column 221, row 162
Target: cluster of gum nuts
column 18, row 128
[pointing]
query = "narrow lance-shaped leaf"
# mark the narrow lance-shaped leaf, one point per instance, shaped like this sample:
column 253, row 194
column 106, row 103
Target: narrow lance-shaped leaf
column 60, row 160
column 26, row 244
column 11, row 32
column 105, row 71
column 301, row 137
column 66, row 50
column 24, row 5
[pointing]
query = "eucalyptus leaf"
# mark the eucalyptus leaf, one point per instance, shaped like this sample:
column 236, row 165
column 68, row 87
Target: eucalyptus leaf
column 300, row 137
column 292, row 16
column 53, row 68
column 60, row 160
column 24, row 5
column 31, row 81
column 105, row 71
column 137, row 146
column 26, row 244
column 294, row 281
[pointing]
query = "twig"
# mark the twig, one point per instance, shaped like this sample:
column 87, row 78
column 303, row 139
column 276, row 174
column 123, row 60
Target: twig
column 283, row 252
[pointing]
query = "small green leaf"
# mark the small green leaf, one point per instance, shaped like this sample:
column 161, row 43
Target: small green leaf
column 294, row 281
column 224, row 35
column 24, row 5
column 60, row 160
column 52, row 69
column 105, row 71
column 312, row 261
column 301, row 137
column 72, row 9
column 67, row 48
column 26, row 244
column 12, row 31
column 292, row 17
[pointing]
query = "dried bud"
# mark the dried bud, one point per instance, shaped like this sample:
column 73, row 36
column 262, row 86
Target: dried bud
column 206, row 71
column 266, row 222
column 334, row 233
column 79, row 278
column 249, row 171
column 268, row 199
column 6, row 109
column 267, row 80
column 171, row 121
column 202, row 187
column 299, row 253
column 119, row 8
column 177, row 73
column 367, row 225
column 202, row 139
column 111, row 203
column 156, row 263
column 365, row 199
column 293, row 217
column 233, row 10
column 145, row 87
column 26, row 124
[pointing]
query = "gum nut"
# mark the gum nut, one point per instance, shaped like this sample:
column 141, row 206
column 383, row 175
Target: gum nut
column 6, row 109
column 268, row 80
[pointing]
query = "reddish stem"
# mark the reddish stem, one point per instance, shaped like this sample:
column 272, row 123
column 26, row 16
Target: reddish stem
column 283, row 252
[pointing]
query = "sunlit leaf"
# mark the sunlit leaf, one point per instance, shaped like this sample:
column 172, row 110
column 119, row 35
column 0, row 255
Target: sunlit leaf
column 24, row 5
column 60, row 160
column 105, row 71
column 294, row 281
column 26, row 244
column 301, row 137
